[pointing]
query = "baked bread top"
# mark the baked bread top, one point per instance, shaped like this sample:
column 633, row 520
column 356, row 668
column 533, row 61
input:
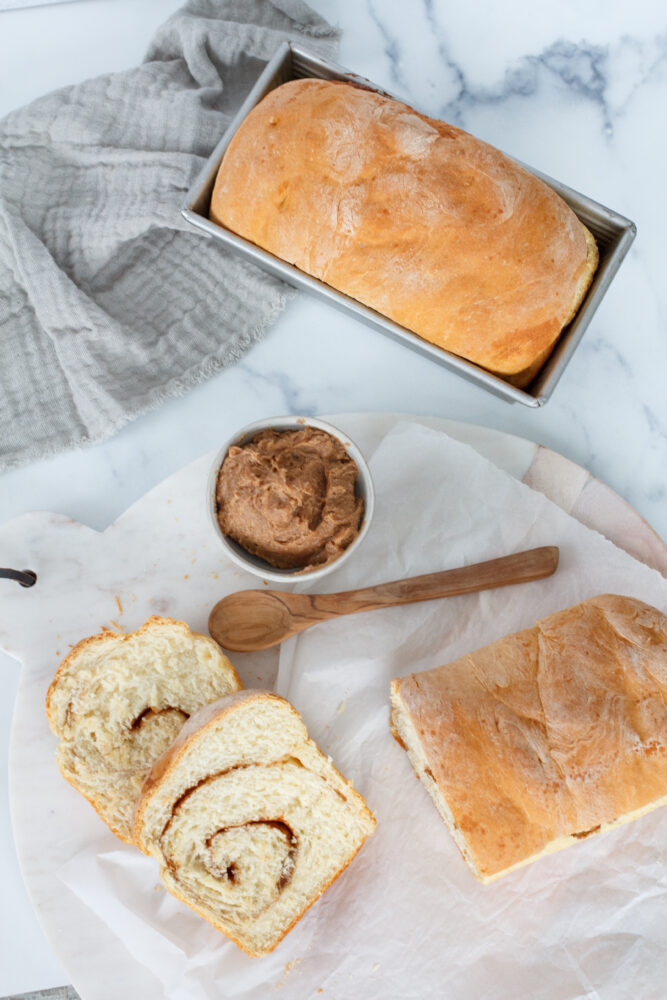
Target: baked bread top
column 417, row 219
column 545, row 736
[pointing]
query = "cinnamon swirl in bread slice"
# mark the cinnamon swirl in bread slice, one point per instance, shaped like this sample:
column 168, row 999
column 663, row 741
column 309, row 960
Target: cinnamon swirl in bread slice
column 249, row 820
column 118, row 701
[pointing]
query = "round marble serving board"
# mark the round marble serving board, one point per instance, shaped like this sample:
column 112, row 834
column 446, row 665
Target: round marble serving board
column 162, row 557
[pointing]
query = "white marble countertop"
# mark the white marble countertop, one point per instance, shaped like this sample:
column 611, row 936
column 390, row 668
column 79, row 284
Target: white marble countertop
column 575, row 90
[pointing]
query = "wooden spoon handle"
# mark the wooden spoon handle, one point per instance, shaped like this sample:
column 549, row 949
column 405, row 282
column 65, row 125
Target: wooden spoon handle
column 517, row 568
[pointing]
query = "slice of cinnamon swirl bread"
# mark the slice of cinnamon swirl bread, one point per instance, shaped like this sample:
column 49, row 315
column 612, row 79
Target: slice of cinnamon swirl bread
column 248, row 819
column 118, row 701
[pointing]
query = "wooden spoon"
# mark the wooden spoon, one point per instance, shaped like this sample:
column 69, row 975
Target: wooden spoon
column 257, row 619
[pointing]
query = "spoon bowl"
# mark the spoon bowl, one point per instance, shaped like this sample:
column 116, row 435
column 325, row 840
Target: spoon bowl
column 253, row 619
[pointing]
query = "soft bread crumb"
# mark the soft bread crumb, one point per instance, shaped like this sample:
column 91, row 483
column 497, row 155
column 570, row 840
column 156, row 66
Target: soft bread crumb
column 248, row 818
column 117, row 701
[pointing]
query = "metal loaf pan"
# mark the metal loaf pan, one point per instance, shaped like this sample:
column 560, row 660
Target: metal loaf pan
column 613, row 233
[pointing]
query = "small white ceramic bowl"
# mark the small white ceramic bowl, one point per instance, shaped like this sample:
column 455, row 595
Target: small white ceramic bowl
column 253, row 564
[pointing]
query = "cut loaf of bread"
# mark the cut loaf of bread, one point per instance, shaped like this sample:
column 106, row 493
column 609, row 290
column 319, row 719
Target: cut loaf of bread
column 118, row 701
column 411, row 216
column 546, row 736
column 249, row 820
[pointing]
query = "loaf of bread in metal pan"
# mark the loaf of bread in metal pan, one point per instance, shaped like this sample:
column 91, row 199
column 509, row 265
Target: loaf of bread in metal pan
column 427, row 225
column 544, row 737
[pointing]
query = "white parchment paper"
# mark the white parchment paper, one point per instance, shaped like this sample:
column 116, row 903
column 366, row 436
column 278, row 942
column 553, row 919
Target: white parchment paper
column 407, row 919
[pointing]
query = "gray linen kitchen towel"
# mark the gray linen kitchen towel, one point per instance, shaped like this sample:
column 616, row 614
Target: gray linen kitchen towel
column 109, row 303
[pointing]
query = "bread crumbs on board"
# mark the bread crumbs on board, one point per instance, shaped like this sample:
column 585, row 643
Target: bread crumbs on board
column 286, row 971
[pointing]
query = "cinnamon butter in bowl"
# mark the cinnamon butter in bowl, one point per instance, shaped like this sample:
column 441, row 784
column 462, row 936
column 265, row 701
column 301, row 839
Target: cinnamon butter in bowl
column 290, row 497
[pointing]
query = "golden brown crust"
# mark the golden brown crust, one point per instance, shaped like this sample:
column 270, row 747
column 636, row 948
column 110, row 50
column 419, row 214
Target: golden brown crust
column 545, row 736
column 525, row 377
column 413, row 217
